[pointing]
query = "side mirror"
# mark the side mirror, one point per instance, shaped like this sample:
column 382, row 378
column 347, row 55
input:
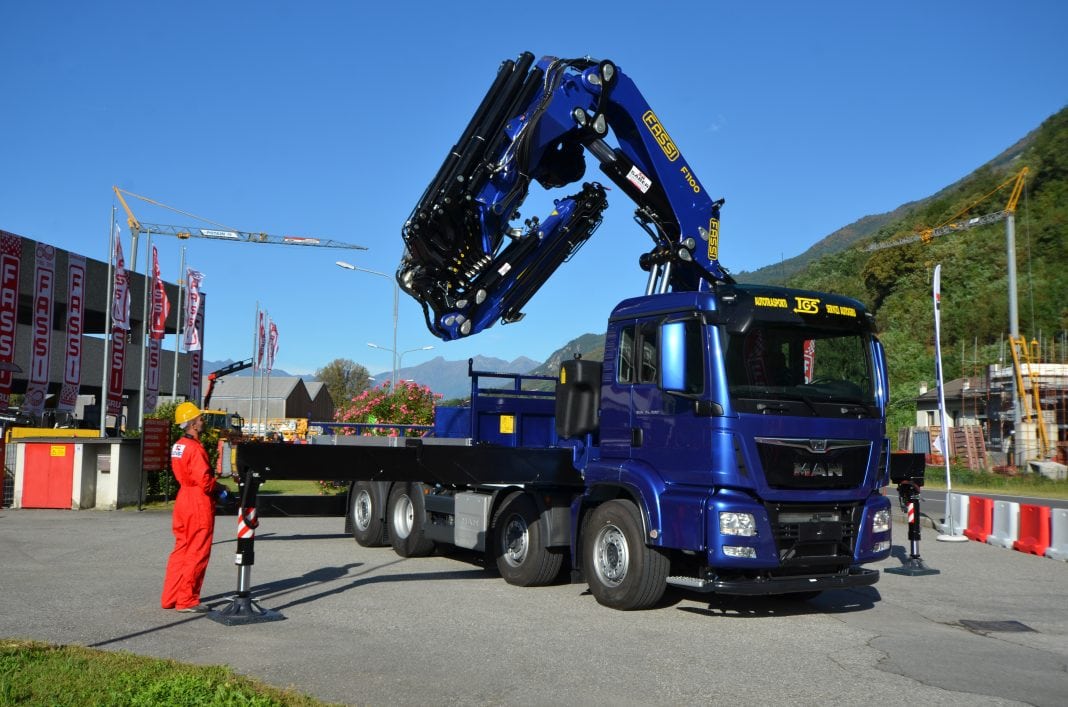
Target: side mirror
column 673, row 357
column 882, row 394
column 907, row 467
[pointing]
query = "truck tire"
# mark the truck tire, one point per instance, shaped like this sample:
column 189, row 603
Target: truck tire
column 622, row 571
column 406, row 515
column 368, row 528
column 519, row 544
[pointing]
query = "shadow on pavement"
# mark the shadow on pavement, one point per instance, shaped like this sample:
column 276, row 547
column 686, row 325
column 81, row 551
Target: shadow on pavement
column 835, row 601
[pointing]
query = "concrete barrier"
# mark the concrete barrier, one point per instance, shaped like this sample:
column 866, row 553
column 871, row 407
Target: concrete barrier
column 980, row 518
column 1034, row 529
column 957, row 503
column 1058, row 548
column 1006, row 526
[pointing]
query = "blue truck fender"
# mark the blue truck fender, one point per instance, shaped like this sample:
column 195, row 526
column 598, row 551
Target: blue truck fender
column 671, row 516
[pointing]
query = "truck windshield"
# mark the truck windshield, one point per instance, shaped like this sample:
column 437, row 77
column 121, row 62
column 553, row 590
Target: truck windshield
column 800, row 371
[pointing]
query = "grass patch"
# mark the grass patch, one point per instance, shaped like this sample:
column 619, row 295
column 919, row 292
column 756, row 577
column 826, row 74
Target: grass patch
column 37, row 673
column 271, row 487
column 967, row 480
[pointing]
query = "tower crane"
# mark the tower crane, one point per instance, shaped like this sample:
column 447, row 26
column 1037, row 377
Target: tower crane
column 1018, row 343
column 958, row 223
column 222, row 232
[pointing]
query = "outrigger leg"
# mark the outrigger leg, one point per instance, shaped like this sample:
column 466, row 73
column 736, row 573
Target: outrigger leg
column 242, row 609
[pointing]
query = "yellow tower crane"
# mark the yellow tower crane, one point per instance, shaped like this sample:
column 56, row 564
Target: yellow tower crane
column 958, row 222
column 224, row 233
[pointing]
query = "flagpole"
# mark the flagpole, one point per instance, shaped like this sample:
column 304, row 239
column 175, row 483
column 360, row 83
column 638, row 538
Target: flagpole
column 106, row 360
column 265, row 376
column 936, row 294
column 270, row 365
column 144, row 330
column 178, row 319
column 252, row 390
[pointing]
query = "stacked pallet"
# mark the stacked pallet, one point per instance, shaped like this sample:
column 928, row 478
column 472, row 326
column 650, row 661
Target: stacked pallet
column 967, row 445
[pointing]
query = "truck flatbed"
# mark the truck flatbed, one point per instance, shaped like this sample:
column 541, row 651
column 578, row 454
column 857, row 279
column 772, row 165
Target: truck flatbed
column 445, row 461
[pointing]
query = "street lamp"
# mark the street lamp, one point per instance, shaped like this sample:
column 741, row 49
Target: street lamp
column 396, row 305
column 397, row 358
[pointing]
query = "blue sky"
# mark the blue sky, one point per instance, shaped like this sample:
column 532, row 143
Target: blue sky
column 328, row 119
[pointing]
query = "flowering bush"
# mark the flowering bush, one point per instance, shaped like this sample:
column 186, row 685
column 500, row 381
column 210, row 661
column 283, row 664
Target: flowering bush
column 407, row 404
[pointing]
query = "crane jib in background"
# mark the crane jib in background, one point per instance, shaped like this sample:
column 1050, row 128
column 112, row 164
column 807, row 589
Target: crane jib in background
column 223, row 232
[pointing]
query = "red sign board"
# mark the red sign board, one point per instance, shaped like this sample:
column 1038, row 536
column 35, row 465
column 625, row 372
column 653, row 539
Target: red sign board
column 155, row 445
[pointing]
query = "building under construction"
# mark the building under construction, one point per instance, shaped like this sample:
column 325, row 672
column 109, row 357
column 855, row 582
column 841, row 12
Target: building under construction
column 981, row 417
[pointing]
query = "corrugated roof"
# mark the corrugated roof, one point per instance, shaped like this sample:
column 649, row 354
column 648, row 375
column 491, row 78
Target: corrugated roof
column 247, row 386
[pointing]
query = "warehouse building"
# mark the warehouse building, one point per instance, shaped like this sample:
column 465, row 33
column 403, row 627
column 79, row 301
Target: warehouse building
column 25, row 316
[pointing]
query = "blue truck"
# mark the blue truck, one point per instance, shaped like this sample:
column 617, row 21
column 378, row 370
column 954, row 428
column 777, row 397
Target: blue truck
column 731, row 441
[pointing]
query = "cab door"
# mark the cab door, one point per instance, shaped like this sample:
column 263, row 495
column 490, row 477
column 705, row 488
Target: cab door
column 615, row 418
column 669, row 433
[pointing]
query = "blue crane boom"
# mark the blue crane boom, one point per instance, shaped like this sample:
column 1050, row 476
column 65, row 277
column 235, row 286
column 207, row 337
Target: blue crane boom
column 468, row 261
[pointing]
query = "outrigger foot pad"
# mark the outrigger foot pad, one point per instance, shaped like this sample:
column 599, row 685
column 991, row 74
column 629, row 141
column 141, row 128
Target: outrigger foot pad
column 913, row 568
column 243, row 610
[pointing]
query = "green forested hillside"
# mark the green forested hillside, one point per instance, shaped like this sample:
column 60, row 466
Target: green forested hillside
column 895, row 283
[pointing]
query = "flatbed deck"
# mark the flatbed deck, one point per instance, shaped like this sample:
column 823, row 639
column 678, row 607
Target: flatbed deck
column 449, row 462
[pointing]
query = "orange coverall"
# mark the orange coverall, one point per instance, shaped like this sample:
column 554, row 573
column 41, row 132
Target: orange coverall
column 193, row 524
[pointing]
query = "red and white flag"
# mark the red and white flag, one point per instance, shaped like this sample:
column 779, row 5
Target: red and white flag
column 116, row 383
column 161, row 306
column 120, row 303
column 272, row 346
column 152, row 382
column 44, row 278
column 72, row 366
column 192, row 309
column 261, row 341
column 10, row 260
column 810, row 359
column 196, row 356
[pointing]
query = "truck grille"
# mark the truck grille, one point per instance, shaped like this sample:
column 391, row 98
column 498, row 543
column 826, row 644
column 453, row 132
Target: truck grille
column 810, row 536
column 813, row 463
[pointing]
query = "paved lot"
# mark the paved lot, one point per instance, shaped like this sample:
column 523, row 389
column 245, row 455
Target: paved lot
column 363, row 626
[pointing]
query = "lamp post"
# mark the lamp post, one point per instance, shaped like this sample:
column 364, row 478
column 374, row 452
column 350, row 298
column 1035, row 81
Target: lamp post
column 397, row 358
column 396, row 304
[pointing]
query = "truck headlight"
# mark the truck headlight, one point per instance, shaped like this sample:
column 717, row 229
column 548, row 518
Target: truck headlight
column 742, row 524
column 880, row 522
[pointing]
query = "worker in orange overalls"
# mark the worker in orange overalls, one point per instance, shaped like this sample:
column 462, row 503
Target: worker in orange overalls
column 193, row 521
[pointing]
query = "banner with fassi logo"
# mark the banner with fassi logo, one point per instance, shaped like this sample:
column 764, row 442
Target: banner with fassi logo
column 161, row 306
column 152, row 384
column 44, row 285
column 192, row 309
column 261, row 341
column 120, row 324
column 10, row 260
column 118, row 364
column 120, row 303
column 72, row 366
column 272, row 346
column 196, row 358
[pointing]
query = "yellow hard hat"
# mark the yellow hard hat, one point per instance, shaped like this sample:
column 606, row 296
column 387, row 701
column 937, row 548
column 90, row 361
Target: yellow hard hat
column 185, row 412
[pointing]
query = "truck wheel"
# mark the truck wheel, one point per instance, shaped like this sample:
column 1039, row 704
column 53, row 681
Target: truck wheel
column 406, row 514
column 368, row 528
column 519, row 544
column 622, row 571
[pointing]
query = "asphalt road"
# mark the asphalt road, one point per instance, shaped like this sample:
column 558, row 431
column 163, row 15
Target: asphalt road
column 363, row 626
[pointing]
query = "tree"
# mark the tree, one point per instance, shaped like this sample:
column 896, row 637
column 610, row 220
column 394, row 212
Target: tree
column 345, row 379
